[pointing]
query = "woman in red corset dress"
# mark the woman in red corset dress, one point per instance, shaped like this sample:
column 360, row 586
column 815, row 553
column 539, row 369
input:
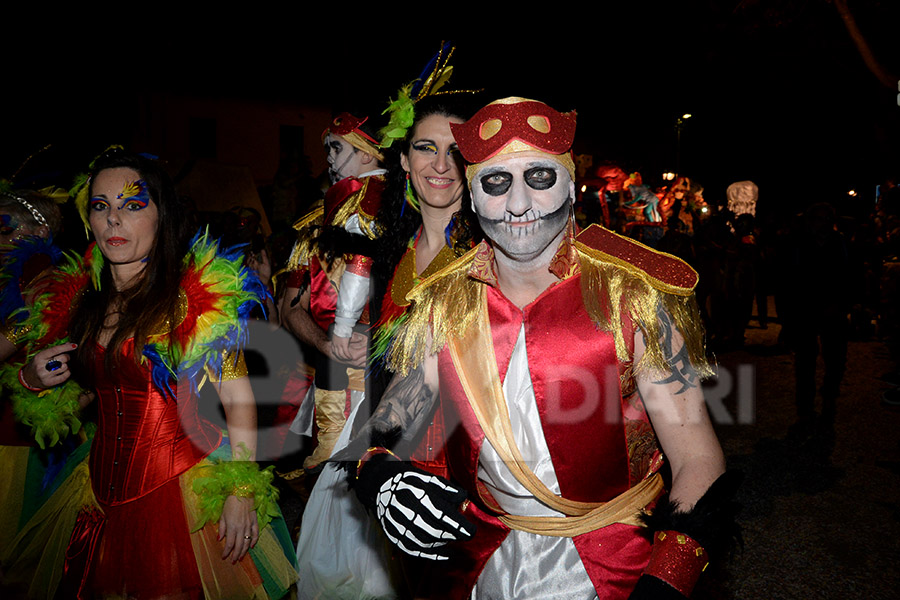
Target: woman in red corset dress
column 144, row 321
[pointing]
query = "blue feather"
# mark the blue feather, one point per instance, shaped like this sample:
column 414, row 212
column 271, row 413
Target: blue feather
column 15, row 257
column 420, row 80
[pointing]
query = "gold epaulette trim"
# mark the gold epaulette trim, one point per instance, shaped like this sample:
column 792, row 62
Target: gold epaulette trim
column 303, row 246
column 611, row 291
column 460, row 264
column 447, row 302
column 309, row 218
column 442, row 303
column 350, row 206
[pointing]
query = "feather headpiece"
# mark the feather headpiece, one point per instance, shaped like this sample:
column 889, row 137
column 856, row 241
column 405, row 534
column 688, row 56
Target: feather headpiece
column 433, row 77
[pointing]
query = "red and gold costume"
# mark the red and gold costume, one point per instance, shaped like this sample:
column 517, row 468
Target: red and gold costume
column 608, row 287
column 350, row 204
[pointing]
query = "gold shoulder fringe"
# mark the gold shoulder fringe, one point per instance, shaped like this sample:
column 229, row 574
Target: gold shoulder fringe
column 610, row 292
column 443, row 303
column 447, row 303
column 305, row 238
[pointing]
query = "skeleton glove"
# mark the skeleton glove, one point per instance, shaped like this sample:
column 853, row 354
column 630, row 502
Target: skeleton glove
column 418, row 511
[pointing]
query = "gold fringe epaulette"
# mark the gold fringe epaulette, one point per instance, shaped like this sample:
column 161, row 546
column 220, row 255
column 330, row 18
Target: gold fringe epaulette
column 610, row 292
column 443, row 303
column 303, row 247
column 364, row 203
column 622, row 276
column 613, row 289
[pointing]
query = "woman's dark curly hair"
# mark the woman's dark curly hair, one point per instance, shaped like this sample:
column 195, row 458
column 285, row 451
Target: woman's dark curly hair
column 153, row 299
column 399, row 224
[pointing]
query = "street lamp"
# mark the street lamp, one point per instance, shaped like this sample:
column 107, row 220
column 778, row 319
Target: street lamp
column 679, row 124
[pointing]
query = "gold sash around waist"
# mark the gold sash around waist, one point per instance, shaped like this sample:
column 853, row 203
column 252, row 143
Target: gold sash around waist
column 476, row 364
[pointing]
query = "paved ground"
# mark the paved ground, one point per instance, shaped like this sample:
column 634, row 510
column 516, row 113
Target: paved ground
column 821, row 518
column 817, row 522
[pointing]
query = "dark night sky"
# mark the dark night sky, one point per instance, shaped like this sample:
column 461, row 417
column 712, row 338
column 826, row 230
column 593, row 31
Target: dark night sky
column 779, row 94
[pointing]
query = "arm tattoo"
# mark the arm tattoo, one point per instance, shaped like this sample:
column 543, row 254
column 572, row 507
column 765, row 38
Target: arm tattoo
column 681, row 370
column 407, row 405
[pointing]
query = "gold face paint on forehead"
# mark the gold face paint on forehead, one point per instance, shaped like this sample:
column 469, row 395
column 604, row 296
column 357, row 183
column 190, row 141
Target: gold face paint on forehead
column 134, row 195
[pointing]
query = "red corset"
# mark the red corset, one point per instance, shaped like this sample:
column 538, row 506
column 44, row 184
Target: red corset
column 144, row 439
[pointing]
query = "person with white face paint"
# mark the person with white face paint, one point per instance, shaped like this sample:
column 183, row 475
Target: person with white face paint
column 327, row 292
column 570, row 365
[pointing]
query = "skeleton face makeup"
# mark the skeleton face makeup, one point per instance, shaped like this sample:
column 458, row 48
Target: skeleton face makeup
column 523, row 203
column 343, row 159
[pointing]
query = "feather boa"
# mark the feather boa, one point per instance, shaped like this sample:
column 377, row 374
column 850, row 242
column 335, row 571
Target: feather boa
column 219, row 295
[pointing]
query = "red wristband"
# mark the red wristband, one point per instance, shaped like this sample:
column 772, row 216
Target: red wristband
column 678, row 560
column 25, row 383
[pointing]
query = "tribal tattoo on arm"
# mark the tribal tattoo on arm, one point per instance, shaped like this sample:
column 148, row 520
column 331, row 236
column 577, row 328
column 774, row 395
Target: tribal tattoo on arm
column 681, row 371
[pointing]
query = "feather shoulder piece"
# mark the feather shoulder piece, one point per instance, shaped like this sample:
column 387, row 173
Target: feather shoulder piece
column 217, row 294
column 53, row 297
column 53, row 413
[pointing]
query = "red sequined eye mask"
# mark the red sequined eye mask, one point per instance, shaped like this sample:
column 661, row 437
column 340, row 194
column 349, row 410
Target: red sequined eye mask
column 497, row 125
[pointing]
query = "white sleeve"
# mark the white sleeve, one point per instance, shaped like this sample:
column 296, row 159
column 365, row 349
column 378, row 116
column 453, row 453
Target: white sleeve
column 352, row 298
column 352, row 224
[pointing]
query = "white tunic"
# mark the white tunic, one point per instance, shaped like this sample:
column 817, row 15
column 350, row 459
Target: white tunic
column 527, row 565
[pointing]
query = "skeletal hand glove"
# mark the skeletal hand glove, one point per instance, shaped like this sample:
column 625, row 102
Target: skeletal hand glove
column 418, row 511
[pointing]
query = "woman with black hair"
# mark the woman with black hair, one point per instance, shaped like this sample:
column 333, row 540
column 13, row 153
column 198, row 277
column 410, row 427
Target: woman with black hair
column 427, row 210
column 143, row 321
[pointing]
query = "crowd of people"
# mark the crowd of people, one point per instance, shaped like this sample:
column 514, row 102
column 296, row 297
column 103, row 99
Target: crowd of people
column 500, row 376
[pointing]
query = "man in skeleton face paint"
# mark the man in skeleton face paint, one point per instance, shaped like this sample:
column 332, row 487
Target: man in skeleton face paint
column 327, row 292
column 569, row 364
column 523, row 205
column 346, row 159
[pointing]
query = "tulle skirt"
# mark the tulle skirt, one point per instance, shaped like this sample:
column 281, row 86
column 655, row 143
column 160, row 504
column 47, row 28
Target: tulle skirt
column 144, row 548
column 30, row 478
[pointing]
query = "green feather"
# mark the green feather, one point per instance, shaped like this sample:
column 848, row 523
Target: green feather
column 402, row 112
column 219, row 481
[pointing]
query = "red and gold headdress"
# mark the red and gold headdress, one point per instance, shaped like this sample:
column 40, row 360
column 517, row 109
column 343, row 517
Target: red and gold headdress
column 513, row 125
column 347, row 126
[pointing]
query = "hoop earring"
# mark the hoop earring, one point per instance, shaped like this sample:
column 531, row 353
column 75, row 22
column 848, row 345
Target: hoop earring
column 410, row 196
